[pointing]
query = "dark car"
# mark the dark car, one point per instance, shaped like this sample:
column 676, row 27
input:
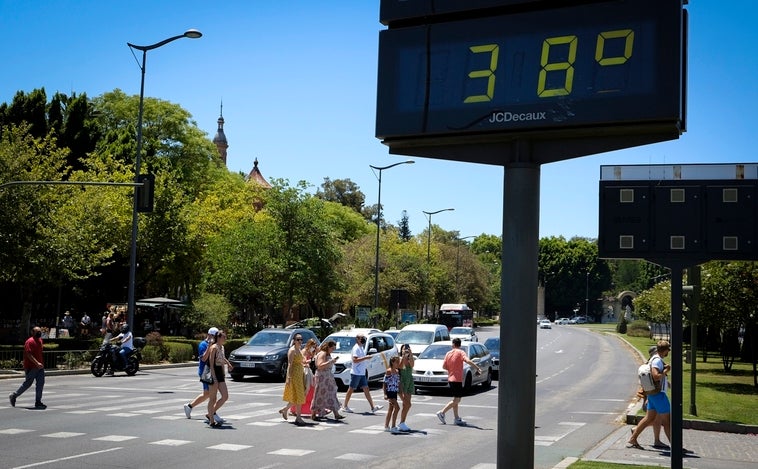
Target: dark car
column 493, row 345
column 265, row 354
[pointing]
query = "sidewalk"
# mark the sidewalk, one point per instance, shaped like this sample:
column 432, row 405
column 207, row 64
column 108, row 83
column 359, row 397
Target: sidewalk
column 713, row 446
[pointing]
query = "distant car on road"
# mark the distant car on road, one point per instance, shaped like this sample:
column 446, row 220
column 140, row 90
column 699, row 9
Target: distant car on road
column 464, row 333
column 562, row 321
column 493, row 345
column 545, row 324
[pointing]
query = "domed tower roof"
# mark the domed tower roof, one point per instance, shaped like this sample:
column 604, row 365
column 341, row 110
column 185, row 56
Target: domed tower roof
column 256, row 176
column 220, row 139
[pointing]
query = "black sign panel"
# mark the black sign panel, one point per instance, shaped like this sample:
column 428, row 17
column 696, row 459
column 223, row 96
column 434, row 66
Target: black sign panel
column 578, row 67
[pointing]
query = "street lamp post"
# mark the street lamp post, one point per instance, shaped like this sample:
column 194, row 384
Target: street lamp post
column 131, row 303
column 587, row 296
column 429, row 243
column 378, row 226
column 457, row 264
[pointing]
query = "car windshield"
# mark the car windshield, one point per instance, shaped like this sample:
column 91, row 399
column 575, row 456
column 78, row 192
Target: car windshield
column 460, row 330
column 269, row 338
column 344, row 343
column 438, row 351
column 415, row 337
column 493, row 343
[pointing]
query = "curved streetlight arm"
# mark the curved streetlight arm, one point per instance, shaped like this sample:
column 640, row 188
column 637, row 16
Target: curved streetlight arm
column 382, row 168
column 190, row 33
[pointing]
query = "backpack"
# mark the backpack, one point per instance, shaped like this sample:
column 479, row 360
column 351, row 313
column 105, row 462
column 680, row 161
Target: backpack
column 648, row 384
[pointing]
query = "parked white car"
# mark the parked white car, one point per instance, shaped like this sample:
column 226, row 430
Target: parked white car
column 545, row 324
column 464, row 333
column 562, row 321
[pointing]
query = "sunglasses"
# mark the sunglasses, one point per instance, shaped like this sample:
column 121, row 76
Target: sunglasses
column 298, row 339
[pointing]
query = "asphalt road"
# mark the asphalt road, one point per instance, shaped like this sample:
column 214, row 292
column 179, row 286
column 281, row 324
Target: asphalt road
column 583, row 386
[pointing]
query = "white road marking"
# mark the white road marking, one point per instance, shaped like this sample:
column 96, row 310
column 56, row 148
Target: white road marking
column 54, row 461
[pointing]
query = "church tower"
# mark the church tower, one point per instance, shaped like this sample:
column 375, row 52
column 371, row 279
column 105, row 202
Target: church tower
column 220, row 139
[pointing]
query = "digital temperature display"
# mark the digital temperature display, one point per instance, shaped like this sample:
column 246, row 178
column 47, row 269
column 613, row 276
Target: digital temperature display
column 588, row 65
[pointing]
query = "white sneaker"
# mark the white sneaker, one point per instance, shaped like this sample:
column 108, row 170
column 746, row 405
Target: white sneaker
column 441, row 416
column 387, row 429
column 347, row 409
column 376, row 408
column 460, row 422
column 218, row 419
column 187, row 410
column 403, row 427
column 394, row 430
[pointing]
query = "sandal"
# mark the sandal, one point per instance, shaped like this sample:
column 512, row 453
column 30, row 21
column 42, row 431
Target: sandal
column 300, row 422
column 283, row 412
column 634, row 445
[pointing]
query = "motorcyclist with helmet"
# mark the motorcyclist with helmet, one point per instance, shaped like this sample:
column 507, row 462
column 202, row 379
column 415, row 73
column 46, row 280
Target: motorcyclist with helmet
column 126, row 339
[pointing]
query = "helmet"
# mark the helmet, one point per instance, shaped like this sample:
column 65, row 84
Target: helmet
column 124, row 329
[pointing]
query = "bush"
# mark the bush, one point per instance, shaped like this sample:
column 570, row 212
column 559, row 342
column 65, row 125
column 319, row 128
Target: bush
column 154, row 338
column 638, row 328
column 152, row 354
column 74, row 360
column 179, row 353
column 621, row 327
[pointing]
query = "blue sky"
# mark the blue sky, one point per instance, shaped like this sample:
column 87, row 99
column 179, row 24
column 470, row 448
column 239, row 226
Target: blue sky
column 298, row 83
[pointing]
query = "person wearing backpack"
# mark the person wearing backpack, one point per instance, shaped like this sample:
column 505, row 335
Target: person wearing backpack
column 657, row 444
column 658, row 405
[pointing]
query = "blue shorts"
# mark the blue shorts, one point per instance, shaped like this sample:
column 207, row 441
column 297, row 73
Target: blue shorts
column 659, row 403
column 358, row 381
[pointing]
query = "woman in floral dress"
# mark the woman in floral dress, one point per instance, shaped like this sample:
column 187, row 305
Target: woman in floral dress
column 325, row 395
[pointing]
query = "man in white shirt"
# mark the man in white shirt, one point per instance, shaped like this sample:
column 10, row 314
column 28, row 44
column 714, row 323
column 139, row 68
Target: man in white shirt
column 358, row 375
column 126, row 338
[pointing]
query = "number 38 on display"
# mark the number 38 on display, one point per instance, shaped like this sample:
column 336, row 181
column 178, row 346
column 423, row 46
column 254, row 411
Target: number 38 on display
column 547, row 66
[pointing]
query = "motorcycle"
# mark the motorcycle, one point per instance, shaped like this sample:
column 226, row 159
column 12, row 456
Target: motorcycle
column 108, row 360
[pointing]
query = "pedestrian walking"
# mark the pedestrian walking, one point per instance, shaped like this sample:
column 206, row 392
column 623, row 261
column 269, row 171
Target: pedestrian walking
column 294, row 386
column 34, row 369
column 391, row 386
column 202, row 354
column 85, row 323
column 325, row 392
column 217, row 360
column 453, row 364
column 658, row 406
column 309, row 351
column 358, row 375
column 407, row 388
column 657, row 444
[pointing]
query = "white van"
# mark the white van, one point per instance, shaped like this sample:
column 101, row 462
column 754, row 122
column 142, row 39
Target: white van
column 419, row 336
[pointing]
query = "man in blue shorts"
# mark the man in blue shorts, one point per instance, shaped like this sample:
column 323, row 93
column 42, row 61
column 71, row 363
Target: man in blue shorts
column 358, row 374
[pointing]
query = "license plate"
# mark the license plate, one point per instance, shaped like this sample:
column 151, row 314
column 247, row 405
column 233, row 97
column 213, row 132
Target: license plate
column 424, row 379
column 247, row 364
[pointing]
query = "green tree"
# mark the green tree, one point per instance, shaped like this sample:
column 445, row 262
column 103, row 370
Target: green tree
column 342, row 191
column 404, row 229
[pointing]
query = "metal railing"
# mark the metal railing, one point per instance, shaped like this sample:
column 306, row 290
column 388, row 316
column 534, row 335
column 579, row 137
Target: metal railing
column 54, row 359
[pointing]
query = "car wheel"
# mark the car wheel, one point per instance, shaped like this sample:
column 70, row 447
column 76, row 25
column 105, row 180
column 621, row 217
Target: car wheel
column 487, row 383
column 236, row 376
column 467, row 383
column 283, row 371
